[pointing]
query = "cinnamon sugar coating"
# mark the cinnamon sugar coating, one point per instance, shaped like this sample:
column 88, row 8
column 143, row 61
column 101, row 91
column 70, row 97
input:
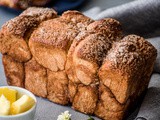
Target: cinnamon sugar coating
column 98, row 39
column 55, row 35
column 12, row 37
column 54, row 32
column 126, row 70
column 77, row 18
column 95, row 48
column 15, row 33
column 109, row 27
column 40, row 13
column 19, row 25
column 132, row 50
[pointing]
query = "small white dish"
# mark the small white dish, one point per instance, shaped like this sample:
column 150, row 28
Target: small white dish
column 28, row 115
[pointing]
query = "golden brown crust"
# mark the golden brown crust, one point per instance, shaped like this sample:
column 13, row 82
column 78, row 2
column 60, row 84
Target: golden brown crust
column 131, row 50
column 15, row 33
column 64, row 29
column 40, row 13
column 19, row 25
column 77, row 19
column 72, row 90
column 109, row 27
column 12, row 41
column 57, row 87
column 94, row 48
column 55, row 32
column 16, row 48
column 97, row 40
column 108, row 107
column 36, row 78
column 127, row 59
column 86, row 99
column 48, row 56
column 54, row 35
column 14, row 71
column 104, row 114
column 84, row 58
column 89, row 49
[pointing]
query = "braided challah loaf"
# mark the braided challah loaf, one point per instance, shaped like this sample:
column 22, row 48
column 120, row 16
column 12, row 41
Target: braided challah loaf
column 72, row 59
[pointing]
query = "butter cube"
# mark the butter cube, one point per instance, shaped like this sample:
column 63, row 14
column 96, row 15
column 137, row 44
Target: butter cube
column 4, row 105
column 22, row 104
column 10, row 94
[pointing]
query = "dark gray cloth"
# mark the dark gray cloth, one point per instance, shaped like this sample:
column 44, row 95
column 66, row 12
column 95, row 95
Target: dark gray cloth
column 156, row 43
column 150, row 108
column 141, row 17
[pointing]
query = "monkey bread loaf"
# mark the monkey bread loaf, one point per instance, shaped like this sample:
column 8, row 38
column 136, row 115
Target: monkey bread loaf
column 74, row 60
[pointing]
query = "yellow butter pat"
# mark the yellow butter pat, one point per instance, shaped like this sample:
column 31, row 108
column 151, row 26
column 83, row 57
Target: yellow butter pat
column 10, row 94
column 4, row 105
column 22, row 104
